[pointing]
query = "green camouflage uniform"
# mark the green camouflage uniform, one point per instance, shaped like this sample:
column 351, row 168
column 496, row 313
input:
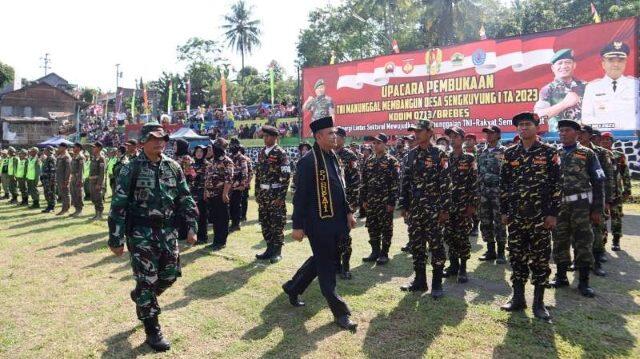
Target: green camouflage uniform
column 76, row 184
column 623, row 185
column 48, row 178
column 97, row 170
column 489, row 163
column 319, row 107
column 145, row 214
column 63, row 175
column 464, row 192
column 352, row 179
column 600, row 230
column 553, row 93
column 582, row 191
column 530, row 190
column 380, row 182
column 272, row 181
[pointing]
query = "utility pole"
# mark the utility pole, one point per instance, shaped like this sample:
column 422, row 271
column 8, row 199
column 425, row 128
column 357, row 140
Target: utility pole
column 45, row 63
column 118, row 76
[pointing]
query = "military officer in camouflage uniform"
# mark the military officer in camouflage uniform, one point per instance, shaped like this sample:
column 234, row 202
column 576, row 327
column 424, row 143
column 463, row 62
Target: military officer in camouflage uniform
column 97, row 170
column 48, row 179
column 599, row 229
column 21, row 174
column 151, row 191
column 489, row 164
column 623, row 185
column 379, row 192
column 240, row 174
column 4, row 169
column 464, row 201
column 247, row 184
column 76, row 185
column 530, row 196
column 425, row 199
column 32, row 175
column 63, row 177
column 321, row 105
column 217, row 188
column 272, row 181
column 349, row 161
column 582, row 203
column 561, row 99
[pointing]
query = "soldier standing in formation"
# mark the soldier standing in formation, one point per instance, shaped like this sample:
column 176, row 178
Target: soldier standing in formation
column 240, row 174
column 217, row 188
column 321, row 212
column 623, row 189
column 247, row 185
column 599, row 228
column 530, row 196
column 379, row 193
column 11, row 174
column 32, row 176
column 425, row 198
column 96, row 179
column 464, row 201
column 63, row 177
column 196, row 186
column 151, row 191
column 4, row 170
column 76, row 184
column 21, row 174
column 582, row 203
column 491, row 227
column 272, row 182
column 349, row 162
column 48, row 178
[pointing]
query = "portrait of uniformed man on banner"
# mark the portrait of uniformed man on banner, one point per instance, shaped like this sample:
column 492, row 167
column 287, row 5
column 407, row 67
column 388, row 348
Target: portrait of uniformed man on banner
column 561, row 98
column 321, row 105
column 611, row 103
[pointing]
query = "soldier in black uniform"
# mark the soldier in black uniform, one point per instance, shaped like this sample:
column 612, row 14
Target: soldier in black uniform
column 322, row 213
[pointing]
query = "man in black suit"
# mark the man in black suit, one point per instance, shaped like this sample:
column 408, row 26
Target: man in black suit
column 322, row 213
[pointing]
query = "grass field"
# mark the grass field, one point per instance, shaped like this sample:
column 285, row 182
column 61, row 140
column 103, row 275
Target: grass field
column 63, row 294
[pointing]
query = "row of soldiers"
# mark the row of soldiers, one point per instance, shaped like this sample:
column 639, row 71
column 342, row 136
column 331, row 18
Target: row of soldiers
column 67, row 177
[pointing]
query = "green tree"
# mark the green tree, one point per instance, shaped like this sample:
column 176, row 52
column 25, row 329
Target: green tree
column 7, row 74
column 242, row 32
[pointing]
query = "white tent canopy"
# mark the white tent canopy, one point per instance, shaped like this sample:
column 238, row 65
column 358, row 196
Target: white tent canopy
column 55, row 141
column 187, row 134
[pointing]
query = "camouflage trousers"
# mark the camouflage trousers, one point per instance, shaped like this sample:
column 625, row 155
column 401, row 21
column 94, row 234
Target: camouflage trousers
column 456, row 235
column 49, row 189
column 77, row 195
column 599, row 235
column 32, row 188
column 424, row 229
column 344, row 249
column 155, row 261
column 616, row 219
column 379, row 225
column 529, row 249
column 22, row 186
column 13, row 187
column 573, row 230
column 491, row 225
column 5, row 184
column 63, row 193
column 97, row 196
column 272, row 218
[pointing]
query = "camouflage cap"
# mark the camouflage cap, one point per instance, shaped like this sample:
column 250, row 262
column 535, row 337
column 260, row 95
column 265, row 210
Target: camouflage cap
column 318, row 83
column 421, row 125
column 443, row 137
column 454, row 129
column 153, row 129
column 561, row 55
column 526, row 116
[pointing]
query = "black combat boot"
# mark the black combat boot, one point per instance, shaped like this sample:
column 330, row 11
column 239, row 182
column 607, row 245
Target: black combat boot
column 500, row 258
column 583, row 284
column 276, row 254
column 452, row 269
column 383, row 258
column 35, row 205
column 597, row 268
column 266, row 254
column 560, row 280
column 602, row 257
column 419, row 283
column 436, row 283
column 375, row 252
column 539, row 310
column 462, row 274
column 48, row 209
column 615, row 246
column 517, row 302
column 294, row 299
column 490, row 254
column 25, row 202
column 155, row 339
column 14, row 200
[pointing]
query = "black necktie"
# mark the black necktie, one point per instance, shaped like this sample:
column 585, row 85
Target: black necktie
column 615, row 83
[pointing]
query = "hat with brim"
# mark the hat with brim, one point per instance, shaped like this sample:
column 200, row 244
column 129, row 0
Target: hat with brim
column 132, row 142
column 321, row 124
column 443, row 137
column 569, row 123
column 159, row 133
column 421, row 125
column 615, row 49
column 77, row 145
column 526, row 116
column 492, row 129
column 586, row 128
column 269, row 130
column 455, row 129
column 381, row 137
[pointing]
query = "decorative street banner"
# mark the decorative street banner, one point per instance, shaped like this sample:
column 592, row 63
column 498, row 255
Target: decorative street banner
column 559, row 74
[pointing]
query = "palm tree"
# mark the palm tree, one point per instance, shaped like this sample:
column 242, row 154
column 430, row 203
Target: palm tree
column 242, row 33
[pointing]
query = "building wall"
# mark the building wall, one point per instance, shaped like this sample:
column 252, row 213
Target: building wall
column 36, row 100
column 27, row 133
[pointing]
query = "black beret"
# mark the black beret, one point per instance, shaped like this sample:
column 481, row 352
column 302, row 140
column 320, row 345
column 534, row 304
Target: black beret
column 77, row 144
column 341, row 132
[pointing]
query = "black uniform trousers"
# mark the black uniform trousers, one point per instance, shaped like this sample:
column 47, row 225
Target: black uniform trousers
column 235, row 207
column 219, row 211
column 245, row 202
column 322, row 264
column 203, row 214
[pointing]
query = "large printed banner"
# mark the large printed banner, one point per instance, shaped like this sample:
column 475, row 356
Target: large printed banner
column 485, row 83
